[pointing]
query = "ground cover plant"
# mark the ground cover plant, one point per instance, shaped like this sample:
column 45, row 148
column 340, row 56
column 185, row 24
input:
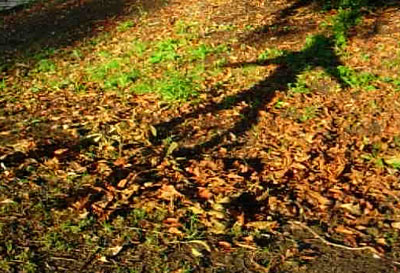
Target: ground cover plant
column 200, row 136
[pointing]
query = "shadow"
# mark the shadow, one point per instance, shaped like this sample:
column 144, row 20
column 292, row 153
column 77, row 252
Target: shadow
column 288, row 23
column 318, row 52
column 25, row 32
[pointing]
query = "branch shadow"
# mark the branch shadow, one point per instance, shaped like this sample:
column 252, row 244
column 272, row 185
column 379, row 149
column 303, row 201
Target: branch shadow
column 319, row 52
column 58, row 25
column 282, row 28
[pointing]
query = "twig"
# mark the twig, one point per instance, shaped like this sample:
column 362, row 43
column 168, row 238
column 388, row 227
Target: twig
column 316, row 235
column 62, row 258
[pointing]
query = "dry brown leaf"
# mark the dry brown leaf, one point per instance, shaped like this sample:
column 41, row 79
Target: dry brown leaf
column 120, row 162
column 204, row 193
column 168, row 193
column 317, row 196
column 344, row 230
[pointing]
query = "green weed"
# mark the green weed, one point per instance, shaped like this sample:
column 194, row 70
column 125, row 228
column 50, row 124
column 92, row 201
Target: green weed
column 176, row 86
column 101, row 72
column 190, row 29
column 124, row 26
column 139, row 47
column 3, row 84
column 122, row 79
column 309, row 113
column 165, row 51
column 354, row 79
column 45, row 65
column 143, row 87
column 200, row 52
column 270, row 53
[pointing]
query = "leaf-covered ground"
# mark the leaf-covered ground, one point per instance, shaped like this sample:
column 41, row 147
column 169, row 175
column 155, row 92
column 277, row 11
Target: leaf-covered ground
column 200, row 136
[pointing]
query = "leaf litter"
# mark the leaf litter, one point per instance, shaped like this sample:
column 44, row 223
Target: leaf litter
column 226, row 173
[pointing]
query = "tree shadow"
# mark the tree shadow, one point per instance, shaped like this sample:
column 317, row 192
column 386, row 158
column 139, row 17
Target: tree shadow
column 61, row 24
column 319, row 52
column 283, row 28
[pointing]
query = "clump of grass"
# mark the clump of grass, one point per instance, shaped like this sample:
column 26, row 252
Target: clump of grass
column 200, row 52
column 45, row 65
column 124, row 26
column 270, row 53
column 354, row 79
column 177, row 87
column 166, row 50
column 100, row 72
column 114, row 74
column 122, row 79
column 298, row 87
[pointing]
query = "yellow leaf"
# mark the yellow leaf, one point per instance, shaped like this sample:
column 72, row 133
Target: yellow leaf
column 153, row 130
column 353, row 209
column 196, row 253
column 172, row 148
column 268, row 225
column 206, row 246
column 396, row 225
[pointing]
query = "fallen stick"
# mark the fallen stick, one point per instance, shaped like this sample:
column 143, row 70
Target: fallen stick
column 376, row 254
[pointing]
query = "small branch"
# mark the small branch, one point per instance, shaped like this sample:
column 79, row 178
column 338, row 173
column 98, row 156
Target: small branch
column 376, row 254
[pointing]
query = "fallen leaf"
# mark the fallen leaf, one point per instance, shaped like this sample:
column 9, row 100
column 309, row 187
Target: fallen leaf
column 204, row 193
column 343, row 230
column 196, row 253
column 7, row 201
column 60, row 151
column 317, row 196
column 153, row 130
column 172, row 147
column 393, row 162
column 115, row 250
column 396, row 225
column 267, row 225
column 353, row 209
column 225, row 244
column 174, row 230
column 120, row 162
column 168, row 192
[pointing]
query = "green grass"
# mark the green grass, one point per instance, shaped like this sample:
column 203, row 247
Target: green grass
column 176, row 86
column 200, row 52
column 356, row 79
column 124, row 26
column 166, row 50
column 45, row 65
column 270, row 53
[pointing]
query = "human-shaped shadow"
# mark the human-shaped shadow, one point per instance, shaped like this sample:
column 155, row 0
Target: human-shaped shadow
column 318, row 52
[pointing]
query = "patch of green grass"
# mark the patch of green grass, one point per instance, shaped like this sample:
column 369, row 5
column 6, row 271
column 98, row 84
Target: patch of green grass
column 166, row 50
column 122, row 79
column 124, row 26
column 143, row 87
column 193, row 227
column 355, row 79
column 139, row 47
column 177, row 87
column 188, row 29
column 115, row 73
column 299, row 87
column 309, row 113
column 45, row 65
column 102, row 71
column 200, row 52
column 270, row 53
column 3, row 84
column 77, row 54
